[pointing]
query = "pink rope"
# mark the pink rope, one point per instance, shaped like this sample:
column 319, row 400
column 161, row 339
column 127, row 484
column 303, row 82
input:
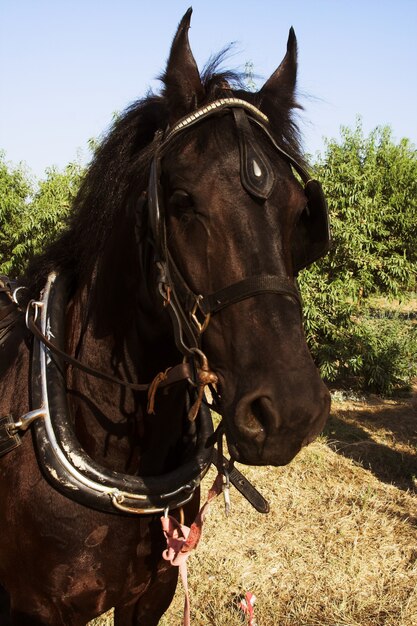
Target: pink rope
column 182, row 540
column 247, row 607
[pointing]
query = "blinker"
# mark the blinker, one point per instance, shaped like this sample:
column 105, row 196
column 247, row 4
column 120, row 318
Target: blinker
column 311, row 239
column 256, row 173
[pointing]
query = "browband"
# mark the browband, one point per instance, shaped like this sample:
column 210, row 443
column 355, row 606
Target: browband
column 214, row 107
column 230, row 103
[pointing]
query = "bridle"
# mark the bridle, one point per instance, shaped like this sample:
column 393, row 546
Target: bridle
column 191, row 312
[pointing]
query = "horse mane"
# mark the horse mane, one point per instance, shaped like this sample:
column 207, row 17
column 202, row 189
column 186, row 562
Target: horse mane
column 119, row 171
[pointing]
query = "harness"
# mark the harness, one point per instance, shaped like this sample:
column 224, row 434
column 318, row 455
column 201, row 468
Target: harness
column 65, row 464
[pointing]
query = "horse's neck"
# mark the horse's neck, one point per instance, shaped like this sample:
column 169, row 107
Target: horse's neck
column 112, row 422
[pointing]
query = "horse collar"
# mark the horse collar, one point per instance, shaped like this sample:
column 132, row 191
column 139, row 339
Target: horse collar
column 64, row 462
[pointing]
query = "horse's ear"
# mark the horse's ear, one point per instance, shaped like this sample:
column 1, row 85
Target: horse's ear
column 281, row 85
column 183, row 88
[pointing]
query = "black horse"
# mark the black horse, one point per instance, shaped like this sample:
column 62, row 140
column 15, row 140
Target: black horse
column 177, row 267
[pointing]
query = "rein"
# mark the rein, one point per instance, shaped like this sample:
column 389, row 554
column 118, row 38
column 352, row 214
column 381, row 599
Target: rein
column 178, row 373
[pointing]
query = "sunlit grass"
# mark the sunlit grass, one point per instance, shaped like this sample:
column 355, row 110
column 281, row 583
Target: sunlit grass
column 339, row 547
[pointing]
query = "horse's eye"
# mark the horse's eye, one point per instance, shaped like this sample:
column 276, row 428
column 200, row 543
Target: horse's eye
column 180, row 199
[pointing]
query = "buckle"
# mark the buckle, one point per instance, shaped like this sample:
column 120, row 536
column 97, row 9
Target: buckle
column 9, row 437
column 200, row 325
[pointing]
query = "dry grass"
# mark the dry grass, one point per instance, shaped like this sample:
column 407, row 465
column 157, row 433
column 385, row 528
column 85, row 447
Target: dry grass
column 339, row 547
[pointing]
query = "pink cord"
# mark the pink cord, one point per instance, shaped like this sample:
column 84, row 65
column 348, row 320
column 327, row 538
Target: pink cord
column 247, row 607
column 181, row 540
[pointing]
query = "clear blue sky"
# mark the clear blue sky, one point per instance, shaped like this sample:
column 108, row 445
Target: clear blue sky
column 67, row 65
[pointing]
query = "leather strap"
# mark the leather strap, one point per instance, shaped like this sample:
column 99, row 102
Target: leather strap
column 10, row 312
column 9, row 437
column 247, row 490
column 247, row 288
column 177, row 373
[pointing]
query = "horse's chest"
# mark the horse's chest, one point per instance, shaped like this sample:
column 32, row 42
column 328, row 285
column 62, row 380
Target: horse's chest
column 78, row 554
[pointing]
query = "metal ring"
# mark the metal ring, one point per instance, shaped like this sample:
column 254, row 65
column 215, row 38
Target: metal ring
column 200, row 326
column 35, row 305
column 14, row 294
column 187, row 489
column 202, row 356
column 117, row 497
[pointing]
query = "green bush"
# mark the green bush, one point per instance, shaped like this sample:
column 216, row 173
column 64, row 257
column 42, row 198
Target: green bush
column 32, row 218
column 388, row 354
column 371, row 188
column 15, row 194
column 355, row 345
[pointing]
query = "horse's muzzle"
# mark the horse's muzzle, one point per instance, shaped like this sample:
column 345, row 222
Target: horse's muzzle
column 263, row 432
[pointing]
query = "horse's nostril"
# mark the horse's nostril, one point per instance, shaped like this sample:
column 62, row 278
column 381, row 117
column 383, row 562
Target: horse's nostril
column 252, row 419
column 257, row 413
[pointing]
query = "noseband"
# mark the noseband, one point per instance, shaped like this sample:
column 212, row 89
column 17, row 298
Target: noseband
column 191, row 312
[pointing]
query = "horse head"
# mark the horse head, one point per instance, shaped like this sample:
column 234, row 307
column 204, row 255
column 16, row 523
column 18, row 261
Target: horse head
column 230, row 223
